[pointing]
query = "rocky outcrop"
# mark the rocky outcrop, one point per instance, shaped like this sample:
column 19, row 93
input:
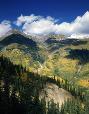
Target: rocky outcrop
column 53, row 92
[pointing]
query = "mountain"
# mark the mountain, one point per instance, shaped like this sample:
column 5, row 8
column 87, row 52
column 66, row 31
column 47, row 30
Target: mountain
column 53, row 68
column 55, row 55
column 18, row 37
column 22, row 49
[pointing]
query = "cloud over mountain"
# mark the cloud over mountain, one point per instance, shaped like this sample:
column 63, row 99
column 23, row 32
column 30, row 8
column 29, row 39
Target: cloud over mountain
column 36, row 24
column 5, row 26
column 44, row 25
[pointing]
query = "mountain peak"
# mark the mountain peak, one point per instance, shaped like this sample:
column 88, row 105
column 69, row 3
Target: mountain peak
column 15, row 31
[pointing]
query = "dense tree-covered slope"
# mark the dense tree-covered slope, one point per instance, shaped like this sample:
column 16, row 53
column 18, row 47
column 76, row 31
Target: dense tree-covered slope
column 29, row 93
column 56, row 67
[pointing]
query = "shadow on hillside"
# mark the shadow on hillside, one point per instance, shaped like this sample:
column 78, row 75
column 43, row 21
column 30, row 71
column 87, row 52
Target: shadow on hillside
column 55, row 47
column 31, row 46
column 56, row 44
column 80, row 54
column 20, row 39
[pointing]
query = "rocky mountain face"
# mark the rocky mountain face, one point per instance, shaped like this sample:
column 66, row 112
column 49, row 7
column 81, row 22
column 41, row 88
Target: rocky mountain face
column 53, row 92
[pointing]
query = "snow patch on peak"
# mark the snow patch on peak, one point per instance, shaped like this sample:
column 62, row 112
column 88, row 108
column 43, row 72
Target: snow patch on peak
column 79, row 36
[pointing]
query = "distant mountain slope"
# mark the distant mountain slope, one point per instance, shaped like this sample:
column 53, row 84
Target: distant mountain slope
column 20, row 48
column 66, row 58
column 55, row 44
column 18, row 37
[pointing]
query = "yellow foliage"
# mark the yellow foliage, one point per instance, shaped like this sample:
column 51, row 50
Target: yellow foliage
column 67, row 65
column 57, row 78
column 84, row 83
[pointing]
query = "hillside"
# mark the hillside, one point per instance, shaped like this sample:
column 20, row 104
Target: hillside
column 53, row 92
column 50, row 75
column 27, row 92
column 65, row 58
column 68, row 59
column 22, row 50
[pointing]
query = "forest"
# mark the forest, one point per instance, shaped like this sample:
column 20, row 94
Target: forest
column 19, row 93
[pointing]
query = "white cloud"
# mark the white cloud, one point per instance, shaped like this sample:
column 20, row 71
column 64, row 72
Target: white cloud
column 5, row 26
column 44, row 25
column 36, row 24
column 26, row 19
column 79, row 26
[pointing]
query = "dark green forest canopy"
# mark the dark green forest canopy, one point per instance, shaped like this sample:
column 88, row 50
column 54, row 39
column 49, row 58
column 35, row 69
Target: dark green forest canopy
column 19, row 93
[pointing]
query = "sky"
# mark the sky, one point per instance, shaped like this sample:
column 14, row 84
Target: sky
column 65, row 10
column 45, row 16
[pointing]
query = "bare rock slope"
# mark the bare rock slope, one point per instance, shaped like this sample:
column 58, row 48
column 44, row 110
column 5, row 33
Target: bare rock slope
column 53, row 92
